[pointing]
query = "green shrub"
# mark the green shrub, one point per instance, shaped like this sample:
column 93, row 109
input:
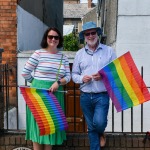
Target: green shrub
column 71, row 42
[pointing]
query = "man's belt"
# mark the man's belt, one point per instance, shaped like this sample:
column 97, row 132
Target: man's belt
column 104, row 92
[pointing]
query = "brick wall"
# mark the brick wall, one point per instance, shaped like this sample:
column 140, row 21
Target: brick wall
column 81, row 142
column 10, row 142
column 8, row 40
column 8, row 30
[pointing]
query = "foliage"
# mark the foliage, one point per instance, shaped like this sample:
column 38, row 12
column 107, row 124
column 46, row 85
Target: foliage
column 71, row 42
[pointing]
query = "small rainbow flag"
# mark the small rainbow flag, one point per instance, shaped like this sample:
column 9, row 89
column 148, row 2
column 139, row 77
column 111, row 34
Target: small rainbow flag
column 45, row 109
column 124, row 83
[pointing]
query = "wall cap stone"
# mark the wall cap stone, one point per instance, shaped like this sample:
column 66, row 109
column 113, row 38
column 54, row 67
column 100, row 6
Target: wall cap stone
column 27, row 54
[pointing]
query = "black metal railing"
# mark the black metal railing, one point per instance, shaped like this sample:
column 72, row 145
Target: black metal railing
column 9, row 93
column 76, row 122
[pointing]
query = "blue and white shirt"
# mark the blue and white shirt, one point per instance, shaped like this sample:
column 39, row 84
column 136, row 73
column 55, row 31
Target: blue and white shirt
column 88, row 62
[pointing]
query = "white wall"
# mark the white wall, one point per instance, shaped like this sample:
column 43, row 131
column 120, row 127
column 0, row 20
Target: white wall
column 22, row 58
column 133, row 34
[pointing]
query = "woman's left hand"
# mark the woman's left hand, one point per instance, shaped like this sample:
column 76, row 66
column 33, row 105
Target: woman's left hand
column 54, row 87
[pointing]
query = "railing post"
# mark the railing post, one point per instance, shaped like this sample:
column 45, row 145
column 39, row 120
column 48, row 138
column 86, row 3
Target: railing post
column 1, row 97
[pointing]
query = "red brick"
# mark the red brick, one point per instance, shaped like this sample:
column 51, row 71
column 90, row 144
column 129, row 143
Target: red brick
column 5, row 3
column 5, row 7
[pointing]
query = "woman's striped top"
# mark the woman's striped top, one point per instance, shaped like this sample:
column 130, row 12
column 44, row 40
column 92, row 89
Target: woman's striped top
column 45, row 66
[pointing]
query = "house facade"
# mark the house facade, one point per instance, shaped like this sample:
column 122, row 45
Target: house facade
column 75, row 13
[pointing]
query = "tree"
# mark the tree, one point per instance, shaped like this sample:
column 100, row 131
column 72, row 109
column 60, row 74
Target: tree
column 71, row 42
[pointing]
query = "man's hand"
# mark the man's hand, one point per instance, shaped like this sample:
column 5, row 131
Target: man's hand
column 96, row 77
column 87, row 78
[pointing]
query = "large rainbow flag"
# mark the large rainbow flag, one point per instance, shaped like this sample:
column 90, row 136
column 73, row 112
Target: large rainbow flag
column 124, row 83
column 45, row 109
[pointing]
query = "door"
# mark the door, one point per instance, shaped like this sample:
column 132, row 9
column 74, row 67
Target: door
column 73, row 110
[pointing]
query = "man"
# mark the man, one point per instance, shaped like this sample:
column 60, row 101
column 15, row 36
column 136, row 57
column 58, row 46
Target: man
column 94, row 99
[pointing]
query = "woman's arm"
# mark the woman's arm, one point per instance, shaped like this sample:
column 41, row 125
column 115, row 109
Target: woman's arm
column 30, row 65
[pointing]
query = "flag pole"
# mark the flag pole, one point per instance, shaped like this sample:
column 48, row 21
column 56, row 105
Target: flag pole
column 41, row 88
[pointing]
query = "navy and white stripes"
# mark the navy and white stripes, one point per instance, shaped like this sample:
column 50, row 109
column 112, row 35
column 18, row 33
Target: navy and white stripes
column 45, row 65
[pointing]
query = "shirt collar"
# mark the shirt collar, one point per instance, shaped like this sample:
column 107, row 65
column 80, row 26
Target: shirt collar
column 90, row 51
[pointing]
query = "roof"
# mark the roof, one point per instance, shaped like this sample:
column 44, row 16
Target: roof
column 76, row 10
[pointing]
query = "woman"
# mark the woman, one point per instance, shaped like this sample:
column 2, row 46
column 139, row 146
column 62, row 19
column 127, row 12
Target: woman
column 51, row 71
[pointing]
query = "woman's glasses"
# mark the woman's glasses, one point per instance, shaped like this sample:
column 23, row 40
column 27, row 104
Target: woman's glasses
column 90, row 33
column 52, row 36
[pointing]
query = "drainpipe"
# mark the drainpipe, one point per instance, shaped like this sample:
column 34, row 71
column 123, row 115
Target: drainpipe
column 99, row 7
column 89, row 3
column 1, row 99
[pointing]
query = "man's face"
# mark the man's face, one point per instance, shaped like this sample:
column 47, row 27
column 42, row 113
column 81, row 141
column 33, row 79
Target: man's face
column 91, row 37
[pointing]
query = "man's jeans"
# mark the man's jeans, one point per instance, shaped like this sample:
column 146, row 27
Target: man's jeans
column 95, row 109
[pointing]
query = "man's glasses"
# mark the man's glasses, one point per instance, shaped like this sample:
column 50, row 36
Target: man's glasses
column 52, row 36
column 90, row 33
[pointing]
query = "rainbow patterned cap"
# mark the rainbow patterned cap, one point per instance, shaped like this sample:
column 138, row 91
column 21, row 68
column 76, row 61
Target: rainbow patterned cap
column 88, row 26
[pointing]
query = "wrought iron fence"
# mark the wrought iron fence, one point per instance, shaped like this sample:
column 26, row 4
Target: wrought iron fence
column 9, row 94
column 76, row 124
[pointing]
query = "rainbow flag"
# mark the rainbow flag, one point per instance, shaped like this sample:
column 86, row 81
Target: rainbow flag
column 45, row 109
column 124, row 83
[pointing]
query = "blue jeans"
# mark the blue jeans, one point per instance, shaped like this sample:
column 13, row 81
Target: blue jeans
column 95, row 109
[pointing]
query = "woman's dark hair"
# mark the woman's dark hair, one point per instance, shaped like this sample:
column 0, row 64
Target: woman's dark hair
column 44, row 39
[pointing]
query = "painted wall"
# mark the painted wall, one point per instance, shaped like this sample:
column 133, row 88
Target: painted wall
column 126, row 24
column 34, row 17
column 133, row 34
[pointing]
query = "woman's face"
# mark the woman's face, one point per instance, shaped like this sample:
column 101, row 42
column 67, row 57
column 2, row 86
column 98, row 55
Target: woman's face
column 52, row 39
